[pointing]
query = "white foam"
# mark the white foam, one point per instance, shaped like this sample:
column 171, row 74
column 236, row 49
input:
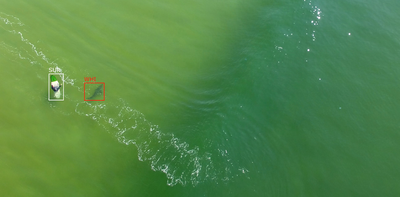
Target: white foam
column 181, row 162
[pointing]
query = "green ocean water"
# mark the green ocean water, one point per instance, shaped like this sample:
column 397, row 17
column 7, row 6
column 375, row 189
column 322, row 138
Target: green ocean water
column 202, row 98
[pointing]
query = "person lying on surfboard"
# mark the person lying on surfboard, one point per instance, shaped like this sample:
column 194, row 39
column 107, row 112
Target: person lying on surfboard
column 55, row 86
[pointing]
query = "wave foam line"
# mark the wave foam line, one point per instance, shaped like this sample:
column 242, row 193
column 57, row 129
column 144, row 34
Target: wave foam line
column 166, row 153
column 10, row 19
column 182, row 163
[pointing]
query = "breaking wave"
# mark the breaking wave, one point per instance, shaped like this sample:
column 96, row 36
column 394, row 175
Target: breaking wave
column 166, row 153
column 182, row 163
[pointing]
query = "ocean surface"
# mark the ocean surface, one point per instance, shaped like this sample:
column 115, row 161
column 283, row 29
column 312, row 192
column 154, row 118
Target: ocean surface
column 202, row 98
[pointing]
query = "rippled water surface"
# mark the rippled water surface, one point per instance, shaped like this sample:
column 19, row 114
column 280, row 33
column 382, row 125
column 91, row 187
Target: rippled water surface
column 203, row 98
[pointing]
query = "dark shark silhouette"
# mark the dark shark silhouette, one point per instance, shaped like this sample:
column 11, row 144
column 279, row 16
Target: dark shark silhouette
column 98, row 91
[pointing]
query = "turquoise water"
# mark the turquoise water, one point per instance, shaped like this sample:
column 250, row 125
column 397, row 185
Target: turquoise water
column 203, row 98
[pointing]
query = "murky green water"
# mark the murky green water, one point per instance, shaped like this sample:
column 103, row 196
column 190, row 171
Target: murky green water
column 203, row 98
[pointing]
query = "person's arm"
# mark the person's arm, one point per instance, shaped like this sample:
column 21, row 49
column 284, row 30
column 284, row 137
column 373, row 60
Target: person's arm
column 55, row 89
